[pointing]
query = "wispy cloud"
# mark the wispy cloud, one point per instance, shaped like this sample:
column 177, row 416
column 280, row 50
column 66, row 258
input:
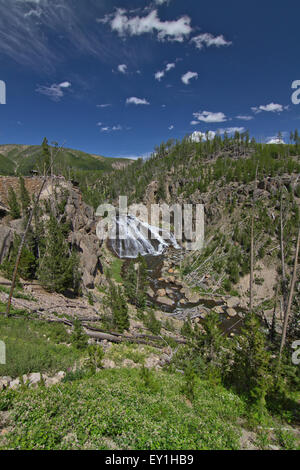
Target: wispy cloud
column 161, row 2
column 209, row 117
column 115, row 128
column 161, row 73
column 125, row 25
column 187, row 77
column 26, row 26
column 122, row 68
column 208, row 40
column 105, row 105
column 245, row 117
column 137, row 101
column 54, row 91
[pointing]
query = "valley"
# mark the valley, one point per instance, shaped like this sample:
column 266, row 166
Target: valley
column 136, row 315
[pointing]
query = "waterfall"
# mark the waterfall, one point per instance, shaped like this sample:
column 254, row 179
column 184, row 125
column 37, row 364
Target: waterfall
column 134, row 237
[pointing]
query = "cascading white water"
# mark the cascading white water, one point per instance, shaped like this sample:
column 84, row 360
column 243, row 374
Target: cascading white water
column 134, row 237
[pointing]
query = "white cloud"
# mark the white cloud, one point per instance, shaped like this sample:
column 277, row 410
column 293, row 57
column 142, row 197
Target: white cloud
column 122, row 68
column 199, row 136
column 171, row 128
column 231, row 130
column 189, row 76
column 269, row 108
column 137, row 101
column 161, row 2
column 170, row 66
column 275, row 140
column 209, row 117
column 208, row 40
column 245, row 118
column 161, row 73
column 55, row 91
column 177, row 30
column 103, row 105
column 111, row 129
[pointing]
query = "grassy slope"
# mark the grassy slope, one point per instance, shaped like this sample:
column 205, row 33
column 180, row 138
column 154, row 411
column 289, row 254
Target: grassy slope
column 116, row 409
column 32, row 346
column 24, row 158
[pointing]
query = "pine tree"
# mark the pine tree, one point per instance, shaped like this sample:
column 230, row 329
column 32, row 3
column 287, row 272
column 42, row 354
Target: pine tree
column 116, row 302
column 135, row 282
column 79, row 338
column 24, row 197
column 58, row 268
column 46, row 156
column 27, row 266
column 13, row 204
column 130, row 283
column 251, row 371
column 120, row 311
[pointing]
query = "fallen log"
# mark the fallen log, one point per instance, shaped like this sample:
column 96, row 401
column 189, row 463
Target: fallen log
column 119, row 339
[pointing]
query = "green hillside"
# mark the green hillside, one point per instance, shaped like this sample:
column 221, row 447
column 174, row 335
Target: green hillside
column 21, row 159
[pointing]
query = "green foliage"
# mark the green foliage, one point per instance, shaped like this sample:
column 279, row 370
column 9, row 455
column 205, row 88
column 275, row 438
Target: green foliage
column 13, row 204
column 135, row 282
column 148, row 380
column 95, row 358
column 152, row 323
column 58, row 268
column 189, row 385
column 251, row 373
column 116, row 302
column 27, row 265
column 117, row 408
column 34, row 346
column 79, row 338
column 187, row 328
column 24, row 197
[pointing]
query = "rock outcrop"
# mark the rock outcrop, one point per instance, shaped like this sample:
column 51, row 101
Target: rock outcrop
column 80, row 216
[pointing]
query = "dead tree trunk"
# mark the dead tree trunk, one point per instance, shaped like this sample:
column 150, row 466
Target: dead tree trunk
column 252, row 263
column 284, row 280
column 14, row 277
column 15, row 272
column 291, row 295
column 252, row 260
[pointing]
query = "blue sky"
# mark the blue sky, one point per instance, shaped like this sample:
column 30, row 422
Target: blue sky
column 117, row 77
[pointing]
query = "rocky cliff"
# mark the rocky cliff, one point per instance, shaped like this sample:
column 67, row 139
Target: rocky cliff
column 80, row 216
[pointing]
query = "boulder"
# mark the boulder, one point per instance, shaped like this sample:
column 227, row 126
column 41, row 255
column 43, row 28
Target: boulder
column 34, row 379
column 219, row 310
column 89, row 249
column 193, row 298
column 165, row 301
column 14, row 384
column 152, row 362
column 233, row 302
column 129, row 364
column 161, row 293
column 4, row 382
column 231, row 312
column 108, row 364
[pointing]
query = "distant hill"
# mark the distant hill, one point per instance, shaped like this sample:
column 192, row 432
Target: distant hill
column 21, row 159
